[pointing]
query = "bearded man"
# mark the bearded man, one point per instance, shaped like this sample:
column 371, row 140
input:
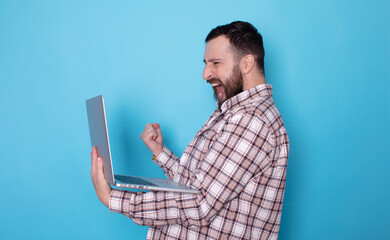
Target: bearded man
column 237, row 160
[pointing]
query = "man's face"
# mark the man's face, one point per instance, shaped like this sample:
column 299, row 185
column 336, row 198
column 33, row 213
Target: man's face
column 222, row 70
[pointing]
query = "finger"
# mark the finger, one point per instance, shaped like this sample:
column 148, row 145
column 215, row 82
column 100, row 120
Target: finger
column 100, row 170
column 148, row 128
column 94, row 153
column 154, row 134
column 104, row 170
column 149, row 133
column 93, row 160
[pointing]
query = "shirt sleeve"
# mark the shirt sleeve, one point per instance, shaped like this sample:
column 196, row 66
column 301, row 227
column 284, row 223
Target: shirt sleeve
column 168, row 162
column 239, row 152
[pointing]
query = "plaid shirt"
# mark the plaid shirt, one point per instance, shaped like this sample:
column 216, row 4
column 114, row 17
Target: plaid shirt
column 237, row 160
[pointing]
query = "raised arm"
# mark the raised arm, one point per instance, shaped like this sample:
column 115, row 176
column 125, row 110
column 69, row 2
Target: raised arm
column 153, row 139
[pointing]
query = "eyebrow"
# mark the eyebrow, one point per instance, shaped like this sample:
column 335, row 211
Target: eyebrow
column 212, row 60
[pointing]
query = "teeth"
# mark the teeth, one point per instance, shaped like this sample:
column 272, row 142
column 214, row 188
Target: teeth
column 214, row 84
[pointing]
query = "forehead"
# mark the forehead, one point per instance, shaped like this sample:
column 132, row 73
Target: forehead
column 218, row 48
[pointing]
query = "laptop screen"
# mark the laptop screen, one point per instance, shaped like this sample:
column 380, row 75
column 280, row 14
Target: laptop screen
column 99, row 133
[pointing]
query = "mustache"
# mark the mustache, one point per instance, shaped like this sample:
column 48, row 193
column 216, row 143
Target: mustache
column 215, row 81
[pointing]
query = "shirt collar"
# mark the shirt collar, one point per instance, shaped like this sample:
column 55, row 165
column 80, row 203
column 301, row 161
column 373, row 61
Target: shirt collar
column 262, row 90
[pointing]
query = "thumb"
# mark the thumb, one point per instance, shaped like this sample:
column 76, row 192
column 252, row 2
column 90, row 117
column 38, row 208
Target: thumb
column 157, row 128
column 100, row 168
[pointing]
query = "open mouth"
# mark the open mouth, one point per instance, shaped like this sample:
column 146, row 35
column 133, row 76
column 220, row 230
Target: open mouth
column 219, row 89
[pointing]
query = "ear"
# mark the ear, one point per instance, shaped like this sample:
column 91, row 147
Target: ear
column 247, row 63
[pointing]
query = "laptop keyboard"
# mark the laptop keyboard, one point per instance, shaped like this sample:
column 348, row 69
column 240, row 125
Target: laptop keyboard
column 133, row 180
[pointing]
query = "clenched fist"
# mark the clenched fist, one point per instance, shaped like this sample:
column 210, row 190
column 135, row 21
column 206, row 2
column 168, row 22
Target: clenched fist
column 152, row 138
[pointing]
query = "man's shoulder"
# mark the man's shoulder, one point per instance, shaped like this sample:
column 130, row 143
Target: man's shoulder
column 261, row 109
column 258, row 107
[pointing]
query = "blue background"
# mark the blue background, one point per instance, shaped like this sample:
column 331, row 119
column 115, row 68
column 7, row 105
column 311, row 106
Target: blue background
column 328, row 62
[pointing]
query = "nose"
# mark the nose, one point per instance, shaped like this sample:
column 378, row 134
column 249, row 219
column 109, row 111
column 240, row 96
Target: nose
column 207, row 73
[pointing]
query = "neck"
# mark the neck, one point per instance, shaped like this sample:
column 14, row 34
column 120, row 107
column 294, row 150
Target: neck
column 253, row 79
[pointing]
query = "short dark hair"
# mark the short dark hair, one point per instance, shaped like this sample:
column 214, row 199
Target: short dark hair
column 244, row 38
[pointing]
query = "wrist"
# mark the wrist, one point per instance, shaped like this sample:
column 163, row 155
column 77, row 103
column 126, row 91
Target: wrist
column 157, row 151
column 106, row 198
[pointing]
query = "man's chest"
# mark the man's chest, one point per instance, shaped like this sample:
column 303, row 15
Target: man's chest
column 203, row 142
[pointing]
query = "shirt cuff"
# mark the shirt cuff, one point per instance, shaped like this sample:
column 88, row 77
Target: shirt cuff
column 163, row 157
column 122, row 202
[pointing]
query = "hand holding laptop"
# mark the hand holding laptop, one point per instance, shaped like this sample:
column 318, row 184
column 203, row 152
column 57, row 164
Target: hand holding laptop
column 102, row 187
column 152, row 138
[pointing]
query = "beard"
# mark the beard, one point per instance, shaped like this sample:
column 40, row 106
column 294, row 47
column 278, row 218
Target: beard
column 232, row 86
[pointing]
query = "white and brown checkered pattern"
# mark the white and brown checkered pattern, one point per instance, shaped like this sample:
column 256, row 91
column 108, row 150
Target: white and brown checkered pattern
column 237, row 160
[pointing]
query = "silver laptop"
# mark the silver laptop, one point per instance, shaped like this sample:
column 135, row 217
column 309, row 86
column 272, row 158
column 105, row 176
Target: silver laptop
column 99, row 138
